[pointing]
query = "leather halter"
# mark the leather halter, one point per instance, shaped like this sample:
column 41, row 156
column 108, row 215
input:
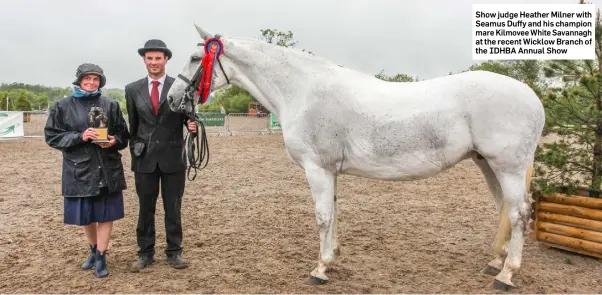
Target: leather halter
column 194, row 86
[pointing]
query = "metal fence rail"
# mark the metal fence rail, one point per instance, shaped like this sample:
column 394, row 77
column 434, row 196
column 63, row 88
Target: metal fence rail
column 245, row 123
column 215, row 123
column 33, row 123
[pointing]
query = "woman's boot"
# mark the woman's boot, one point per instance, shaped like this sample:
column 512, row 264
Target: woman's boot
column 100, row 265
column 89, row 263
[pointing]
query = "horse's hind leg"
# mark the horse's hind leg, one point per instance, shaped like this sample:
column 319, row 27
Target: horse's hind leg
column 515, row 207
column 495, row 265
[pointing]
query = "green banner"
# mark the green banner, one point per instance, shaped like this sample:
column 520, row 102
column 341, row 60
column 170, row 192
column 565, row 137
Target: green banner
column 212, row 119
column 274, row 122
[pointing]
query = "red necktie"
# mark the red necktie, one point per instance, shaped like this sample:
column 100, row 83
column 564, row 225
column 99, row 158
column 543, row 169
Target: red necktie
column 155, row 97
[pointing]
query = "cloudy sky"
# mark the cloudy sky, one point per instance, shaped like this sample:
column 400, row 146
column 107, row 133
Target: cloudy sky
column 43, row 41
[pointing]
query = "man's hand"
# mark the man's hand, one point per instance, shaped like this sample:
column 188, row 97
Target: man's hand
column 191, row 126
column 109, row 144
column 89, row 134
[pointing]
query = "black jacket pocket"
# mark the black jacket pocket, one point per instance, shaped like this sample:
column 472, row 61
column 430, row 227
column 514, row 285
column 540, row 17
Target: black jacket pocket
column 139, row 148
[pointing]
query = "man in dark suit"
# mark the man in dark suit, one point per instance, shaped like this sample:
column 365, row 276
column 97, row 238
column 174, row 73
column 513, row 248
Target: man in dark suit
column 158, row 155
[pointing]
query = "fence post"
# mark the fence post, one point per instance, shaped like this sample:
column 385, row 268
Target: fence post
column 228, row 128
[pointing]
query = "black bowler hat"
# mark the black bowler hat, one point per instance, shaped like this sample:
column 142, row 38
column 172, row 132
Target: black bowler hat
column 155, row 45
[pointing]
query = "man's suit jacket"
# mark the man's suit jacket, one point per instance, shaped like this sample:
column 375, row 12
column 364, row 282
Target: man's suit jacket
column 154, row 140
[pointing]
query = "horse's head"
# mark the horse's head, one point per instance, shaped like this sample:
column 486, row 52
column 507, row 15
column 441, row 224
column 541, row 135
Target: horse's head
column 198, row 77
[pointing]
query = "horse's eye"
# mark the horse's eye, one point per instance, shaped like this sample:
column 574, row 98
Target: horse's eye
column 195, row 59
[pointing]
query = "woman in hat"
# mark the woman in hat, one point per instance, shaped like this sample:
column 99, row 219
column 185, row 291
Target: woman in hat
column 92, row 176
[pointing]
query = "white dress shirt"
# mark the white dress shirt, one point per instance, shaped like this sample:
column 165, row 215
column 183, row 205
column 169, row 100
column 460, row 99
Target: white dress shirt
column 161, row 80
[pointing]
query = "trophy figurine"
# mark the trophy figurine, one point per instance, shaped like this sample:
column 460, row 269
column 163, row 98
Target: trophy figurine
column 98, row 121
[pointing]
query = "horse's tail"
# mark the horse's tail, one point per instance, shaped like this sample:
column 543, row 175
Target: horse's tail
column 503, row 233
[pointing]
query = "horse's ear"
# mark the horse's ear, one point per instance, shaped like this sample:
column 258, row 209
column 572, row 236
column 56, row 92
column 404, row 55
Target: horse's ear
column 204, row 34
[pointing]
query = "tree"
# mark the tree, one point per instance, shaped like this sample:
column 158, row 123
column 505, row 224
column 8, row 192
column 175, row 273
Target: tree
column 234, row 99
column 574, row 115
column 119, row 96
column 42, row 101
column 280, row 38
column 529, row 72
column 3, row 96
column 397, row 78
column 499, row 67
column 284, row 39
column 23, row 103
column 53, row 93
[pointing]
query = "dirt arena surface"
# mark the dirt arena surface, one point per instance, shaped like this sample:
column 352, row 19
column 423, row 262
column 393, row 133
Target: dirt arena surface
column 249, row 227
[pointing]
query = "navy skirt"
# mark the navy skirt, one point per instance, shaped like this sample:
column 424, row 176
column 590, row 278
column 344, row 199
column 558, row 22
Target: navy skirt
column 102, row 208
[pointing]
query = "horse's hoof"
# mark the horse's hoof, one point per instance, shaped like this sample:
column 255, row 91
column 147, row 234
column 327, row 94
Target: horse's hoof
column 502, row 286
column 313, row 281
column 492, row 271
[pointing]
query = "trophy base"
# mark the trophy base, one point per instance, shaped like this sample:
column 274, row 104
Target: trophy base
column 102, row 135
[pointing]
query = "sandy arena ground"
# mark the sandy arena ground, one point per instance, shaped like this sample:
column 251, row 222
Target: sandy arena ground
column 249, row 227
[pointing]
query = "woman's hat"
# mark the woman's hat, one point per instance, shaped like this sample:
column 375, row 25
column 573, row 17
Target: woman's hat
column 155, row 45
column 86, row 69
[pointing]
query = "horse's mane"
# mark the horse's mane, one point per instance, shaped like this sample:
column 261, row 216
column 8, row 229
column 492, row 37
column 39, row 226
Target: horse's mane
column 300, row 59
column 276, row 51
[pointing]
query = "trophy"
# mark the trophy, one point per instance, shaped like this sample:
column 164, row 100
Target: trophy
column 98, row 121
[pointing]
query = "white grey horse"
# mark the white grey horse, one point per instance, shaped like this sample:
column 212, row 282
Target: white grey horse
column 339, row 121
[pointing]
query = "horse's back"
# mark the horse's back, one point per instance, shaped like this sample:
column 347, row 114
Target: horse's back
column 486, row 101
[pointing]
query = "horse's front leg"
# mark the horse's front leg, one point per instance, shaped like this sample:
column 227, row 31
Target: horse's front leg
column 322, row 185
column 336, row 245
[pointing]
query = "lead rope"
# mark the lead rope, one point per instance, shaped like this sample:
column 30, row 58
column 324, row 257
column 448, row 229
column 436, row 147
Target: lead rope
column 202, row 150
column 213, row 49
